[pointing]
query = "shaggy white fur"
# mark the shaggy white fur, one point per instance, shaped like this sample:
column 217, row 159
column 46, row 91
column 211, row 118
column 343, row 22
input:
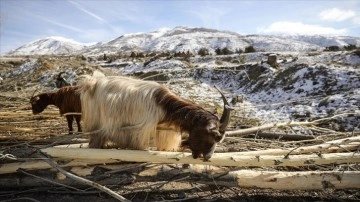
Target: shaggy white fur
column 124, row 113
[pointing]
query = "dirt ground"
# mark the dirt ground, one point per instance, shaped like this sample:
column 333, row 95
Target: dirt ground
column 19, row 129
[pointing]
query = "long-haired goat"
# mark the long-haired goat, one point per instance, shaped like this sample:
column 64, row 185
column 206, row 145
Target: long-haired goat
column 67, row 99
column 127, row 111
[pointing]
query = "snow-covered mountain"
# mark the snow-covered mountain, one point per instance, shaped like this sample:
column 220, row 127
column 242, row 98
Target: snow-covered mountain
column 185, row 39
column 56, row 45
column 174, row 40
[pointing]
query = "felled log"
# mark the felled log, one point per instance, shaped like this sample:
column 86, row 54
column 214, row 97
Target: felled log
column 218, row 159
column 280, row 180
column 291, row 180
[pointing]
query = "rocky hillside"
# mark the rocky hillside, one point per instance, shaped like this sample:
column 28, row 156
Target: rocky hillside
column 299, row 86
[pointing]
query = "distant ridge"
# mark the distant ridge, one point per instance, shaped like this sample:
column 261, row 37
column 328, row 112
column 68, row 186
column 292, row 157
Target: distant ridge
column 184, row 39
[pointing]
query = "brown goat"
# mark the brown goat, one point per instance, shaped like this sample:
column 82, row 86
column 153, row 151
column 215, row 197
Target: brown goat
column 67, row 99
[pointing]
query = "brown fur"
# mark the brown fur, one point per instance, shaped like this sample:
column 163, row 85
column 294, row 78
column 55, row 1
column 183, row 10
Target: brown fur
column 67, row 99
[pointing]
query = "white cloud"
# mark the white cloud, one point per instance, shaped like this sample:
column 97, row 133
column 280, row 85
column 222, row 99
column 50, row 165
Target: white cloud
column 284, row 27
column 336, row 14
column 102, row 20
column 72, row 28
column 78, row 6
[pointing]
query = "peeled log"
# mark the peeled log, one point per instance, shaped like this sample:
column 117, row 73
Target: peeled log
column 292, row 180
column 93, row 156
column 218, row 159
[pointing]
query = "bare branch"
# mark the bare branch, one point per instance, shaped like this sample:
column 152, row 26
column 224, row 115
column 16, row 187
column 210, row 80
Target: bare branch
column 283, row 124
column 85, row 181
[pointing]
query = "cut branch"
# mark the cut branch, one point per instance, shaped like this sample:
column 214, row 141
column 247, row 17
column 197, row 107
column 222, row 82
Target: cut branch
column 274, row 125
column 85, row 181
column 338, row 145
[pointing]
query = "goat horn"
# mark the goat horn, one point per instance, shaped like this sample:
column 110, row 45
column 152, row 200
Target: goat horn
column 225, row 117
column 59, row 75
column 36, row 89
column 34, row 93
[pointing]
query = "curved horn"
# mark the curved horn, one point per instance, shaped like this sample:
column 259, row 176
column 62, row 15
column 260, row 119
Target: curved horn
column 225, row 117
column 32, row 96
column 34, row 93
column 59, row 75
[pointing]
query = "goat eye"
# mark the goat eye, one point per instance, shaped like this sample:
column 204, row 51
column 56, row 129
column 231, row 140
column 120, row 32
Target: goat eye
column 211, row 127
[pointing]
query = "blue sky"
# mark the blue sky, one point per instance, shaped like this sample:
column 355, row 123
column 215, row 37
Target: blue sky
column 23, row 21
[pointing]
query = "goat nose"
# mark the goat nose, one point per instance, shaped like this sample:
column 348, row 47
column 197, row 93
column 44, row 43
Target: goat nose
column 208, row 155
column 218, row 137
